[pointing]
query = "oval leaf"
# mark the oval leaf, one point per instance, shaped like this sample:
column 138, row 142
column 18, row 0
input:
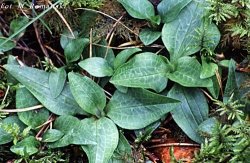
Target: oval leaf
column 88, row 94
column 145, row 70
column 52, row 135
column 138, row 108
column 57, row 80
column 192, row 111
column 148, row 36
column 97, row 67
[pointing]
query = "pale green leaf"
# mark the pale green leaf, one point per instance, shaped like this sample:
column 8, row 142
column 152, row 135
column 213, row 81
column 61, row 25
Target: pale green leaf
column 37, row 82
column 105, row 134
column 138, row 108
column 192, row 111
column 87, row 93
column 124, row 55
column 180, row 36
column 170, row 9
column 52, row 135
column 25, row 99
column 97, row 67
column 206, row 127
column 74, row 49
column 187, row 73
column 6, row 46
column 148, row 36
column 27, row 146
column 208, row 69
column 145, row 70
column 57, row 80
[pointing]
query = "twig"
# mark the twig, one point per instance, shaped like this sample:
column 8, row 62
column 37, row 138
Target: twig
column 22, row 110
column 87, row 9
column 113, row 27
column 175, row 144
column 6, row 93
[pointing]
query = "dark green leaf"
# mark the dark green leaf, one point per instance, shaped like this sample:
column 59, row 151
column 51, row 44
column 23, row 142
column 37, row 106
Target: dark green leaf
column 170, row 9
column 180, row 36
column 124, row 55
column 208, row 69
column 140, row 9
column 105, row 134
column 37, row 82
column 85, row 23
column 192, row 111
column 74, row 49
column 148, row 36
column 215, row 88
column 123, row 152
column 7, row 46
column 17, row 24
column 57, row 80
column 75, row 132
column 145, row 134
column 145, row 70
column 52, row 135
column 25, row 99
column 87, row 93
column 97, row 67
column 27, row 146
column 187, row 73
column 231, row 85
column 138, row 108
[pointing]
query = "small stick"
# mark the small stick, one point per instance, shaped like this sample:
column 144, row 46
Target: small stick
column 175, row 144
column 22, row 110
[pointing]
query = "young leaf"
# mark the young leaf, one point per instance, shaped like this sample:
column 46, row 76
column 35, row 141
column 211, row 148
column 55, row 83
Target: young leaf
column 6, row 137
column 74, row 132
column 180, row 36
column 27, row 146
column 231, row 85
column 124, row 55
column 215, row 88
column 52, row 135
column 208, row 69
column 192, row 111
column 37, row 82
column 7, row 46
column 170, row 9
column 97, row 67
column 140, row 9
column 123, row 152
column 88, row 94
column 138, row 108
column 74, row 49
column 145, row 70
column 57, row 80
column 187, row 73
column 105, row 134
column 148, row 36
column 25, row 99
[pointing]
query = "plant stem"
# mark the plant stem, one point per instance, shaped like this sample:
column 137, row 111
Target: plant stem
column 22, row 110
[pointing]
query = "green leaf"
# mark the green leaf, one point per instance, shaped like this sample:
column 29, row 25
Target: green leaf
column 180, row 36
column 123, row 152
column 144, row 134
column 66, row 37
column 37, row 82
column 208, row 69
column 85, row 24
column 140, row 9
column 124, row 55
column 187, row 73
column 25, row 99
column 211, row 35
column 206, row 127
column 27, row 146
column 148, row 36
column 12, row 60
column 17, row 24
column 88, row 94
column 224, row 63
column 138, row 108
column 145, row 70
column 52, row 135
column 105, row 134
column 6, row 137
column 57, row 80
column 192, row 111
column 97, row 67
column 75, row 132
column 170, row 9
column 6, row 46
column 231, row 85
column 74, row 49
column 215, row 88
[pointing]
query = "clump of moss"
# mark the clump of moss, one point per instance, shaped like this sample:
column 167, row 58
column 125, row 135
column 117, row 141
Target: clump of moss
column 84, row 3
